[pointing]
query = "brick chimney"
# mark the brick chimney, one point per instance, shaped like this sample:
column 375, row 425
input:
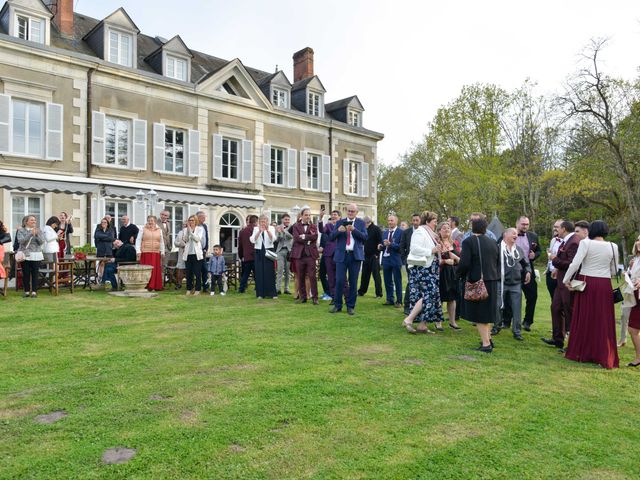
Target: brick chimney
column 303, row 64
column 62, row 15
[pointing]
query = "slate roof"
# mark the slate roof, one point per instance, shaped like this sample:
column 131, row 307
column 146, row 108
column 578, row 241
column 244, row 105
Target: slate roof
column 338, row 104
column 202, row 65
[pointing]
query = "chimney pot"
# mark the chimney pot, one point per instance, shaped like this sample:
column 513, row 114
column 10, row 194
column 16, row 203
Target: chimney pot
column 303, row 64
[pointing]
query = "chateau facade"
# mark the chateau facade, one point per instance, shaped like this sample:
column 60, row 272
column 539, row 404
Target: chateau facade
column 94, row 114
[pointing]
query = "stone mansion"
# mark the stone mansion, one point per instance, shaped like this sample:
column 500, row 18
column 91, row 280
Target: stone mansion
column 94, row 115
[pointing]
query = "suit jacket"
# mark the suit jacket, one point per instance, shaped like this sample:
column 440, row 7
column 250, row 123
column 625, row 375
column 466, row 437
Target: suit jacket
column 534, row 246
column 469, row 266
column 565, row 255
column 205, row 243
column 307, row 246
column 246, row 250
column 405, row 243
column 328, row 245
column 166, row 236
column 285, row 240
column 374, row 239
column 358, row 235
column 394, row 259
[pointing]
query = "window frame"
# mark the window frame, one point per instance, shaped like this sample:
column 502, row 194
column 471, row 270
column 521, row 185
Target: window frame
column 238, row 154
column 309, row 167
column 175, row 60
column 129, row 122
column 313, row 107
column 175, row 226
column 358, row 178
column 117, row 214
column 273, row 171
column 26, row 196
column 30, row 20
column 120, row 35
column 278, row 94
column 354, row 114
column 185, row 159
column 27, row 128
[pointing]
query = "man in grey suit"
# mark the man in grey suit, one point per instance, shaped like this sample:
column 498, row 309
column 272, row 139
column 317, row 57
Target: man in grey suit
column 285, row 241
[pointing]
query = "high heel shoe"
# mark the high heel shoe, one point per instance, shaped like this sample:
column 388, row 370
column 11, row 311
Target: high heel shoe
column 631, row 364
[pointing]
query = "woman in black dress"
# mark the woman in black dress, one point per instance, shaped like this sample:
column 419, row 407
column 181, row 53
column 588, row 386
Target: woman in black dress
column 449, row 260
column 263, row 238
column 472, row 268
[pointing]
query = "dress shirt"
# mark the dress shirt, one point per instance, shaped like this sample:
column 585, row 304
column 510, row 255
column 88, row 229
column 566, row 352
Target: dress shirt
column 554, row 246
column 387, row 252
column 523, row 242
column 350, row 241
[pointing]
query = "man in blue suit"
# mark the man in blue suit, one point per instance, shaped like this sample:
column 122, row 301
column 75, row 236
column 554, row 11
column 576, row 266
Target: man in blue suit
column 350, row 233
column 392, row 261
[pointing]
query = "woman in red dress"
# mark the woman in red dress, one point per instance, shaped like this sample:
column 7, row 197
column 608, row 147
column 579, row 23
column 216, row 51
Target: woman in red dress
column 593, row 324
column 150, row 250
column 634, row 314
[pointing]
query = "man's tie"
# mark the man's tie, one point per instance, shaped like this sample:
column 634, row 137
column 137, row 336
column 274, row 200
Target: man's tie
column 348, row 237
column 389, row 239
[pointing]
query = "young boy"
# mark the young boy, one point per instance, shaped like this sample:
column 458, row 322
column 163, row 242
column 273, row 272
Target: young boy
column 216, row 268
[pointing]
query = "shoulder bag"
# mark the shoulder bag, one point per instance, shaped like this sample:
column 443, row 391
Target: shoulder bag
column 20, row 256
column 617, row 293
column 476, row 291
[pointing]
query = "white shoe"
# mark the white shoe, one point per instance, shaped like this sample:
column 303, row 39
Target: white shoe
column 221, row 293
column 212, row 294
column 197, row 292
column 188, row 292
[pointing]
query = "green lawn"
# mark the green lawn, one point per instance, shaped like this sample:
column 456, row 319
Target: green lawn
column 239, row 388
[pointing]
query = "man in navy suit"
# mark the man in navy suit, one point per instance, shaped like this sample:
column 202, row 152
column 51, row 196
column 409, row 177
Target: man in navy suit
column 392, row 261
column 350, row 234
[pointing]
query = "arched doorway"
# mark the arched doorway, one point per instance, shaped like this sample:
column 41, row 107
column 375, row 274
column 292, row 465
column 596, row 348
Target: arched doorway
column 229, row 229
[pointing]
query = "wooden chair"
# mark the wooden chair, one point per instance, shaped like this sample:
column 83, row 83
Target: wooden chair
column 54, row 275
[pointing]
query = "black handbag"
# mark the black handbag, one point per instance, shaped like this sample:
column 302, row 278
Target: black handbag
column 617, row 293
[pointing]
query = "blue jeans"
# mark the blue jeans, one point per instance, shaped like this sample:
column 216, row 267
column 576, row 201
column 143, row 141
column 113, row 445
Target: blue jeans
column 109, row 275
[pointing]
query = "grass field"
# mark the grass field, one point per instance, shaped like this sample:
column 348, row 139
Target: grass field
column 234, row 387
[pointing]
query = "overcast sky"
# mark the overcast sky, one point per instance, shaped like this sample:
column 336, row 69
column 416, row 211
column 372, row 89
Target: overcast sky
column 403, row 59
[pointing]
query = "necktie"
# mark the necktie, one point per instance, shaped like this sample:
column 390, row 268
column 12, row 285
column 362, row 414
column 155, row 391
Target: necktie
column 389, row 239
column 348, row 237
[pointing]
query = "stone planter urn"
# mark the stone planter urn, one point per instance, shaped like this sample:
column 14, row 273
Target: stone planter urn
column 135, row 279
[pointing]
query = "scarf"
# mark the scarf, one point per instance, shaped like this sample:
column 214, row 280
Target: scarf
column 510, row 256
column 434, row 237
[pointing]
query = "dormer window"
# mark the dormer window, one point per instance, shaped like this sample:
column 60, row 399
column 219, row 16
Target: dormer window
column 280, row 98
column 354, row 118
column 176, row 68
column 313, row 104
column 31, row 29
column 121, row 48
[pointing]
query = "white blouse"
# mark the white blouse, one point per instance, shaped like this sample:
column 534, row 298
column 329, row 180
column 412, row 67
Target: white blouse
column 598, row 259
column 51, row 240
column 268, row 242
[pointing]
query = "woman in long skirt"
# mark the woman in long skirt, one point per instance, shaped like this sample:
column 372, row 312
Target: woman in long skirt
column 424, row 277
column 593, row 324
column 263, row 237
column 150, row 250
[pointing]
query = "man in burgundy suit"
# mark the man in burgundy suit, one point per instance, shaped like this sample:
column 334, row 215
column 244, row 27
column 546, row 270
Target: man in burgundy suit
column 246, row 251
column 562, row 304
column 305, row 253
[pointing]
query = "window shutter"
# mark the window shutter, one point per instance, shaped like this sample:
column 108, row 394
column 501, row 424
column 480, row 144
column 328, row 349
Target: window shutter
column 5, row 123
column 291, row 168
column 303, row 170
column 54, row 131
column 326, row 173
column 266, row 164
column 140, row 144
column 247, row 160
column 158, row 147
column 138, row 214
column 98, row 153
column 194, row 153
column 217, row 156
column 364, row 180
column 345, row 176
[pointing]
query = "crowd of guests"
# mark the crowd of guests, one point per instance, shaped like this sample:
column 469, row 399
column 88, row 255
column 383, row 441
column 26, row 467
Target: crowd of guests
column 481, row 275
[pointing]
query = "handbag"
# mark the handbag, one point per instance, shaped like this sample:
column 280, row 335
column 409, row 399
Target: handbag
column 617, row 293
column 20, row 255
column 476, row 291
column 270, row 255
